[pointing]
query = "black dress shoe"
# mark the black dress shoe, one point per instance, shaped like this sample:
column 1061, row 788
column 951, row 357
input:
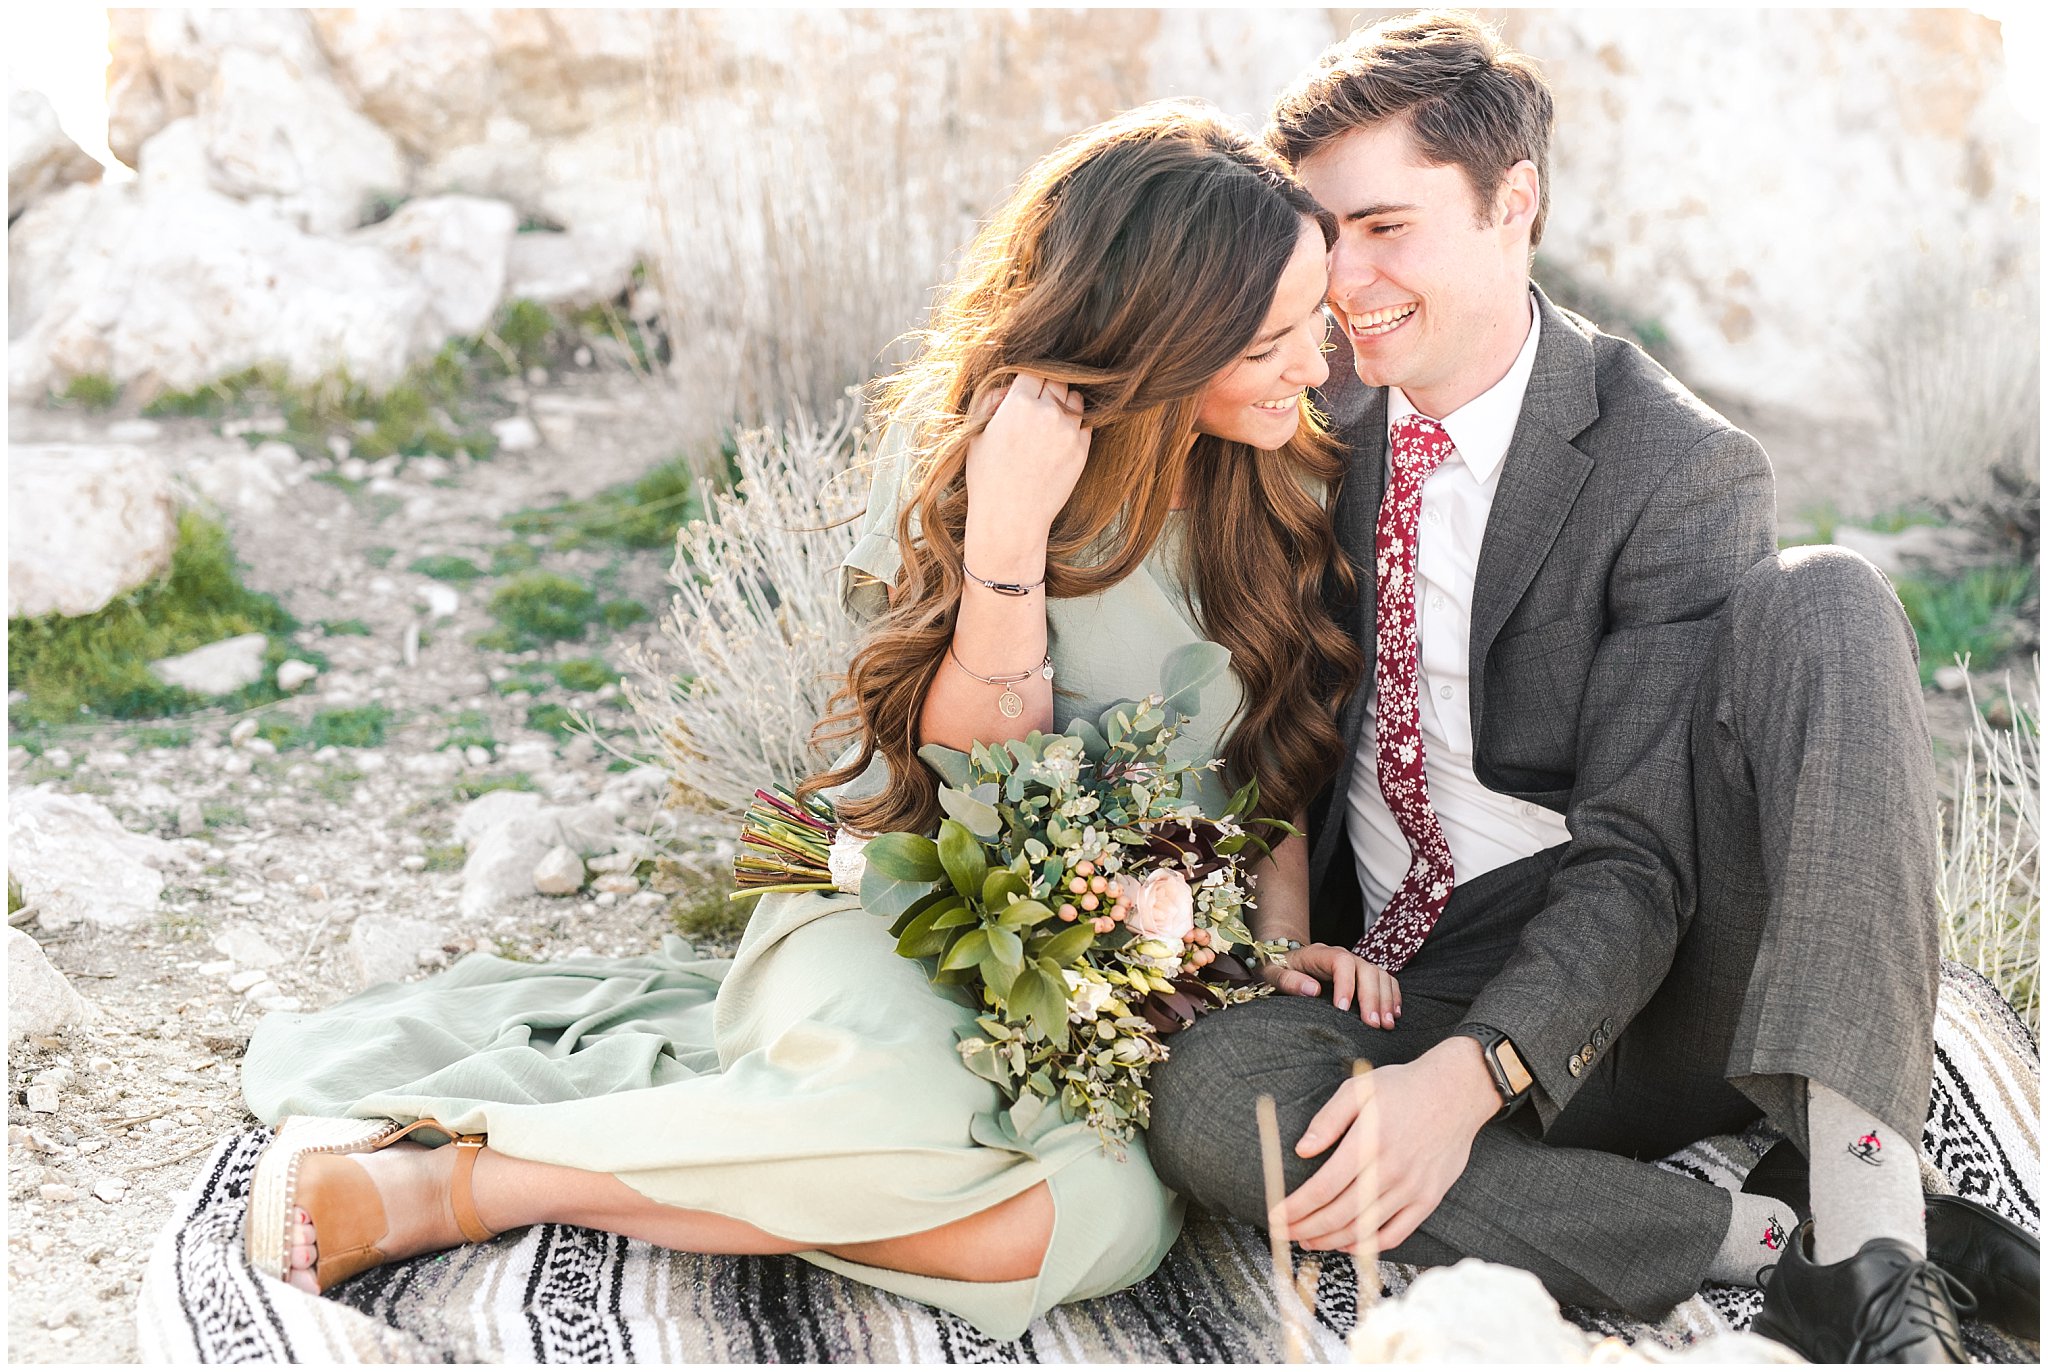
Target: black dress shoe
column 1996, row 1260
column 1886, row 1304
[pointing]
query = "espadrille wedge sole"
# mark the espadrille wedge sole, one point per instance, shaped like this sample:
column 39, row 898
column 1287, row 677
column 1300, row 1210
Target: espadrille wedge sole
column 272, row 1188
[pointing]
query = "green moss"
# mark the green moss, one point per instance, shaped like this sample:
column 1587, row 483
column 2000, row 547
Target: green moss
column 469, row 787
column 221, row 815
column 90, row 391
column 538, row 607
column 584, row 673
column 446, row 857
column 175, row 736
column 513, row 557
column 338, row 787
column 360, row 727
column 617, row 614
column 443, row 567
column 528, row 329
column 1976, row 615
column 344, row 628
column 471, row 729
column 641, row 514
column 550, row 718
column 227, row 395
column 703, row 913
column 97, row 665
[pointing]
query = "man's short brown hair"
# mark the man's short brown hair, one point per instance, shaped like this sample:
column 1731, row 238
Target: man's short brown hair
column 1470, row 100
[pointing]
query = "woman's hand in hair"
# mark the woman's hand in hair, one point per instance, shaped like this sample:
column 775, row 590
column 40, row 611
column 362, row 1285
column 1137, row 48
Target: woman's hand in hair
column 1351, row 979
column 1023, row 466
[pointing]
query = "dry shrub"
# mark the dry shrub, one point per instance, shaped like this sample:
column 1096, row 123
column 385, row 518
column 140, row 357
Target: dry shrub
column 1989, row 843
column 754, row 640
column 1955, row 354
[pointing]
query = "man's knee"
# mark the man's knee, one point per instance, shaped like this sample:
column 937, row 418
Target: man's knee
column 1815, row 597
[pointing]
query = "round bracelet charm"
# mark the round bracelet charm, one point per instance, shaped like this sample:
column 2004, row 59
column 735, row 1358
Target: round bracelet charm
column 1011, row 704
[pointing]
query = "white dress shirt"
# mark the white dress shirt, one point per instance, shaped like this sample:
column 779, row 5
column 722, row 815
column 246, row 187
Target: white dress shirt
column 1484, row 829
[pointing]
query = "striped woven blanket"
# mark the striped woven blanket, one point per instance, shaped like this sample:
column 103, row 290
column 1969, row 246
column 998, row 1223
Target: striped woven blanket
column 553, row 1293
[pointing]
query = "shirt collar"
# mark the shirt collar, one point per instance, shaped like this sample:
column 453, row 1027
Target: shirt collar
column 1483, row 426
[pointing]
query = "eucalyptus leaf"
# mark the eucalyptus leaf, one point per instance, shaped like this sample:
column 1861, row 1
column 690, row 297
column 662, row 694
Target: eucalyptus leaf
column 887, row 896
column 910, row 857
column 1090, row 736
column 978, row 815
column 1187, row 670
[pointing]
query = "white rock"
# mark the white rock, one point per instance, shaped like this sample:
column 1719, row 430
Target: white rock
column 216, row 969
column 517, row 434
column 441, row 600
column 40, row 156
column 57, row 1193
column 385, row 947
column 1951, row 678
column 429, row 468
column 84, row 524
column 457, row 245
column 43, row 1100
column 1471, row 1312
column 134, row 431
column 476, row 755
column 292, row 674
column 40, row 1001
column 261, row 747
column 74, row 862
column 244, row 730
column 585, row 267
column 500, row 863
column 614, row 862
column 217, row 669
column 278, row 1004
column 238, row 480
column 247, row 947
column 413, row 862
column 112, row 1190
column 489, row 811
column 617, row 883
column 261, row 991
column 560, row 873
column 249, row 976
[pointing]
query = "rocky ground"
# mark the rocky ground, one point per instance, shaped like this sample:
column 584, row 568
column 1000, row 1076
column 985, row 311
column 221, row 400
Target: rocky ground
column 294, row 877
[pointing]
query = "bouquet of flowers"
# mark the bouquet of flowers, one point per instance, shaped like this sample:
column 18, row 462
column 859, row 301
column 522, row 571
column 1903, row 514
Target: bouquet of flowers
column 1073, row 889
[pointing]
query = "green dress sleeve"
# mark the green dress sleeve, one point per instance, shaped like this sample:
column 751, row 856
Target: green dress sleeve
column 869, row 569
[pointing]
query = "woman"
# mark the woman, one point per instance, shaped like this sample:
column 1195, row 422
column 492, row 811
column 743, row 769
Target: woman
column 1102, row 454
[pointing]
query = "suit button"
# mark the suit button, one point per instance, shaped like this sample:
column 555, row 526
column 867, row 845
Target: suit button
column 1576, row 1066
column 1599, row 1038
column 1608, row 1024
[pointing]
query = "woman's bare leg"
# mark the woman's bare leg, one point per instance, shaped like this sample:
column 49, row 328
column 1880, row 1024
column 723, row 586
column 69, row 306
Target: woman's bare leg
column 1006, row 1242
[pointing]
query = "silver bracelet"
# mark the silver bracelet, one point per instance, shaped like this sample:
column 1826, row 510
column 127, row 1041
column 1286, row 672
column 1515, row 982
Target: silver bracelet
column 1011, row 588
column 1010, row 703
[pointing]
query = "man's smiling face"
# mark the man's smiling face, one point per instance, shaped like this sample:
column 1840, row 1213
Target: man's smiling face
column 1432, row 290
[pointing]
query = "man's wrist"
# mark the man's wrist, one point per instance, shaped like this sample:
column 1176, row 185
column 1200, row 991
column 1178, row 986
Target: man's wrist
column 1464, row 1065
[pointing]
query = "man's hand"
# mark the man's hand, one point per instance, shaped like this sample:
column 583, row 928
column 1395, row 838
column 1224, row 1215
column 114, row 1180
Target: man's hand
column 1413, row 1124
column 1348, row 975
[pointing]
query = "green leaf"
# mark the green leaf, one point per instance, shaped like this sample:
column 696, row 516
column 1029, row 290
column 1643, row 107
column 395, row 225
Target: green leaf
column 913, row 910
column 1023, row 915
column 955, row 915
column 949, row 763
column 965, row 861
column 1067, row 946
column 1001, row 885
column 1006, row 947
column 1042, row 1000
column 908, row 857
column 1091, row 738
column 1243, row 800
column 887, row 896
column 976, row 814
column 919, row 939
column 967, row 951
column 1187, row 670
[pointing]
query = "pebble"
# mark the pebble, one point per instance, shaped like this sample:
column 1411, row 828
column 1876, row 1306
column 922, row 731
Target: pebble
column 18, row 1136
column 42, row 1099
column 246, row 898
column 63, row 1333
column 87, row 1147
column 162, row 1125
column 617, row 884
column 58, row 1192
column 413, row 862
column 477, row 756
column 99, row 1066
column 39, row 1244
column 516, row 434
column 327, row 753
column 261, row 747
column 560, row 873
column 106, row 760
column 584, row 357
column 441, row 601
column 281, row 1004
column 60, row 758
column 247, row 947
column 216, row 969
column 191, row 818
column 244, row 979
column 260, row 990
column 606, row 899
column 242, row 733
column 237, row 766
column 292, row 674
column 614, row 862
column 59, row 1077
column 647, row 899
column 112, row 1190
column 354, row 469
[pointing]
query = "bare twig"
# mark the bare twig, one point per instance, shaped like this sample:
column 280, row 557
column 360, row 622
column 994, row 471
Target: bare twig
column 1276, row 1228
column 1365, row 1248
column 137, row 1119
column 192, row 1152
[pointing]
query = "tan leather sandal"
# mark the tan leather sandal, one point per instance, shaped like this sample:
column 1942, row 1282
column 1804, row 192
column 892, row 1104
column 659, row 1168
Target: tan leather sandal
column 307, row 1168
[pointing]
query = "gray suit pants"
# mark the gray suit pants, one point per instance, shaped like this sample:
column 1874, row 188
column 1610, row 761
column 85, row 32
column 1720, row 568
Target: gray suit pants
column 1812, row 951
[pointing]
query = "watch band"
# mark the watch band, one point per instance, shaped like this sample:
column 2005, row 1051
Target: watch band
column 1511, row 1077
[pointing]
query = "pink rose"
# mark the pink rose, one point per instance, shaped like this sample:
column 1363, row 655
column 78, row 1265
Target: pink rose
column 1163, row 908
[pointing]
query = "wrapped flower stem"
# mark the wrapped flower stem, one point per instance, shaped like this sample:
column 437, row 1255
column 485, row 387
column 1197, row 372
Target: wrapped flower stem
column 784, row 845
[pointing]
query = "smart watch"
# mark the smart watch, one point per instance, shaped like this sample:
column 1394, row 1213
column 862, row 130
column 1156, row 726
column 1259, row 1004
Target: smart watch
column 1503, row 1064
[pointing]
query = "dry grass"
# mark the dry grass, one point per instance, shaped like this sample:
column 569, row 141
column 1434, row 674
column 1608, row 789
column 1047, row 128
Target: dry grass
column 1989, row 886
column 755, row 639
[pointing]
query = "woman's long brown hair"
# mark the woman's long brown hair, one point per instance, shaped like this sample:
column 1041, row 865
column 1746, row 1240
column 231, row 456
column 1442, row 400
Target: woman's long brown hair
column 1137, row 262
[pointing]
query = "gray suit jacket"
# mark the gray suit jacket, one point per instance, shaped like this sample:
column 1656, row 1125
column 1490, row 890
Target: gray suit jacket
column 1626, row 512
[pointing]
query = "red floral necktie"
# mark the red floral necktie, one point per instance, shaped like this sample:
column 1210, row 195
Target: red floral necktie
column 1420, row 446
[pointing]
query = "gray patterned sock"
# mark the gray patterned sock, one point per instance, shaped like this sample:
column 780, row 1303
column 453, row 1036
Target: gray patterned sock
column 1758, row 1230
column 1866, row 1179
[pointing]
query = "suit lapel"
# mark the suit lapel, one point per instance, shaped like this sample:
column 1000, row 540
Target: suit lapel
column 1539, row 480
column 1358, row 510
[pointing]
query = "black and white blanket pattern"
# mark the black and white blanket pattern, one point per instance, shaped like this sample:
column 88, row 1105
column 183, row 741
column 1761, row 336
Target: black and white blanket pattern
column 553, row 1293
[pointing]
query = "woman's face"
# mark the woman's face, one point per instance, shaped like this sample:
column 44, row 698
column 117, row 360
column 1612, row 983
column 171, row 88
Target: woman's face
column 1257, row 399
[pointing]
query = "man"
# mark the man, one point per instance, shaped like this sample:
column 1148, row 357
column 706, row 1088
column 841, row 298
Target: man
column 1638, row 812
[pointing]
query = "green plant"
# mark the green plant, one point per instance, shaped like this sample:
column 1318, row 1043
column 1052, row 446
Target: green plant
column 91, row 391
column 222, row 815
column 617, row 614
column 338, row 786
column 175, row 736
column 446, row 857
column 584, row 673
column 469, row 787
column 539, row 607
column 98, row 664
column 1989, row 842
column 445, row 567
column 640, row 514
column 1974, row 616
column 703, row 911
column 359, row 727
column 341, row 628
column 551, row 718
column 513, row 557
column 470, row 729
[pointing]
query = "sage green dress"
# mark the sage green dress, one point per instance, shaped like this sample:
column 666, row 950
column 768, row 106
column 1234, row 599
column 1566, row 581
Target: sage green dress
column 809, row 1086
